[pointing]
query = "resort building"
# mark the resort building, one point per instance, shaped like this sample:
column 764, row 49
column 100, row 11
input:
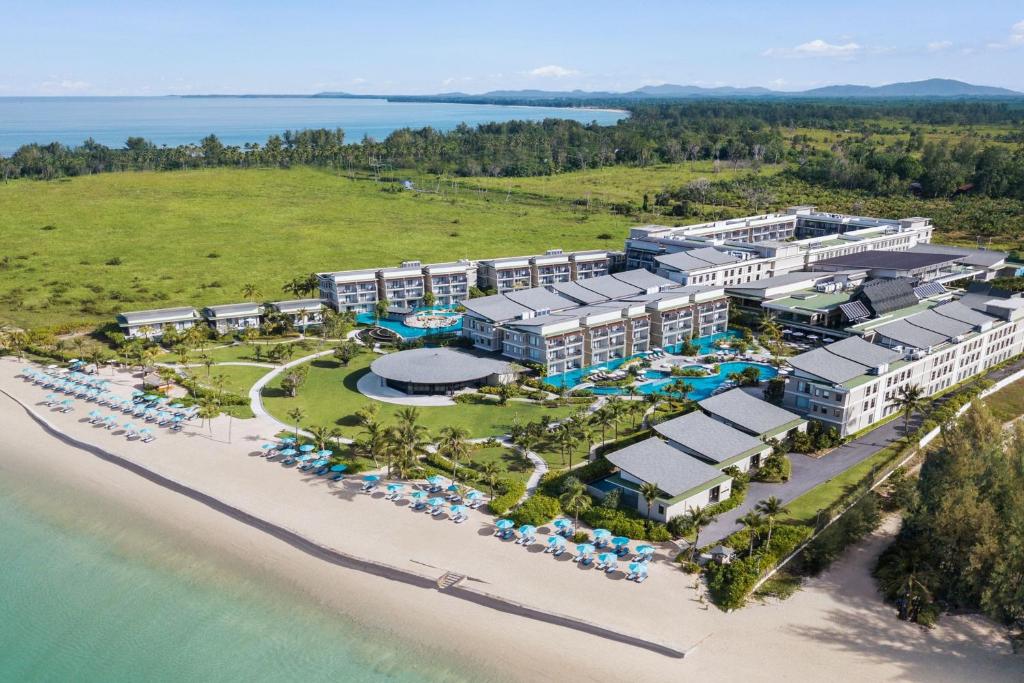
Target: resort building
column 440, row 371
column 300, row 312
column 403, row 286
column 684, row 482
column 738, row 409
column 919, row 266
column 485, row 316
column 855, row 382
column 588, row 264
column 449, row 282
column 152, row 324
column 233, row 317
column 505, row 274
column 688, row 457
column 349, row 290
column 552, row 267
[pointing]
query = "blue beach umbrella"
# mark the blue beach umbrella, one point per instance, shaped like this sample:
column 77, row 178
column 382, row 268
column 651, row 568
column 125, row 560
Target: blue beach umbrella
column 436, row 501
column 66, row 402
column 339, row 468
column 307, row 447
column 473, row 495
column 645, row 549
column 562, row 523
column 527, row 529
column 320, row 463
column 602, row 533
column 288, row 439
column 267, row 447
column 325, row 453
column 453, row 488
column 306, row 457
column 151, row 397
column 371, row 478
column 288, row 452
column 176, row 406
column 504, row 524
column 607, row 558
column 129, row 426
column 418, row 495
column 585, row 549
column 619, row 541
column 556, row 540
column 394, row 488
column 458, row 509
column 145, row 430
column 636, row 567
column 435, row 480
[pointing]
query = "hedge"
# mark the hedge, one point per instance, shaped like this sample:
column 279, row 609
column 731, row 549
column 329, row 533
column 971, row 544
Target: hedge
column 551, row 482
column 512, row 490
column 537, row 510
column 729, row 584
column 626, row 523
column 616, row 444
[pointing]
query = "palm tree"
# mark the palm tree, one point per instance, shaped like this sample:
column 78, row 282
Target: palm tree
column 454, row 446
column 321, row 436
column 649, row 491
column 209, row 408
column 250, row 292
column 752, row 522
column 681, row 387
column 576, row 501
column 566, row 440
column 616, row 407
column 909, row 400
column 635, row 410
column 698, row 518
column 297, row 415
column 771, row 507
column 490, row 473
column 373, row 441
column 602, row 418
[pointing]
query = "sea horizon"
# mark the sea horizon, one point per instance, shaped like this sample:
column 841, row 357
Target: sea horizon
column 172, row 120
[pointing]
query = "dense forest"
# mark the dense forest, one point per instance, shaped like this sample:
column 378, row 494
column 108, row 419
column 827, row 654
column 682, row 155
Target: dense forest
column 962, row 541
column 872, row 150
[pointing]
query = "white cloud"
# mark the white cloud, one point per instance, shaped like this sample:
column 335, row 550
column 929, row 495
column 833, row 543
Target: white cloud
column 552, row 71
column 64, row 85
column 1017, row 32
column 816, row 48
column 940, row 45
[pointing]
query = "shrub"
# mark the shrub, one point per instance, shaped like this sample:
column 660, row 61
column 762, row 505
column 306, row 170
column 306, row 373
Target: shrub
column 729, row 584
column 537, row 510
column 553, row 483
column 626, row 523
column 511, row 491
column 689, row 567
column 581, row 537
column 860, row 520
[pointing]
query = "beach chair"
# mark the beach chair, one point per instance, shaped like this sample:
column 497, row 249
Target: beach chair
column 611, row 568
column 338, row 476
column 368, row 486
column 176, row 427
column 67, row 409
column 475, row 505
column 622, row 550
column 148, row 438
column 437, row 511
column 459, row 518
column 558, row 551
column 529, row 540
column 641, row 577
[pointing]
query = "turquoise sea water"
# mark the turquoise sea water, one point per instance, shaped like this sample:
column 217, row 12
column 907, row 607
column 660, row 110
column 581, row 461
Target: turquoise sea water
column 237, row 120
column 83, row 597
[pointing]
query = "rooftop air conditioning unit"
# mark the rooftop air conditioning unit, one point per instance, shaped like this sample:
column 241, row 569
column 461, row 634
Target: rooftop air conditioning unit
column 411, row 264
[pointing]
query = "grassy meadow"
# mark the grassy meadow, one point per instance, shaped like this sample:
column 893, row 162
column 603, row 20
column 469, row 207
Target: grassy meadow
column 82, row 249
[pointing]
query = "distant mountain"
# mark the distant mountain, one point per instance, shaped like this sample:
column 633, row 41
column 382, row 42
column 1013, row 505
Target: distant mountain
column 933, row 87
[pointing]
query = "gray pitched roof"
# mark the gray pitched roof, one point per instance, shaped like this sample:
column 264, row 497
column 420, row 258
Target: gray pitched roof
column 295, row 305
column 578, row 292
column 644, row 279
column 694, row 259
column 747, row 412
column 828, row 366
column 708, row 438
column 608, row 286
column 496, row 308
column 656, row 462
column 859, row 350
column 957, row 311
column 232, row 310
column 158, row 315
column 940, row 324
column 911, row 335
column 985, row 258
column 894, row 260
column 540, row 298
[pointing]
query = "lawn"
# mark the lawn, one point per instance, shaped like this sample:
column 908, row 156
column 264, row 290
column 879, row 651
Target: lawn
column 512, row 464
column 329, row 398
column 805, row 508
column 84, row 248
column 1007, row 403
column 238, row 379
column 219, row 353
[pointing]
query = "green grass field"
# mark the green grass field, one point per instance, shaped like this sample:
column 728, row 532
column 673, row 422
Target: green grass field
column 1007, row 403
column 238, row 379
column 196, row 237
column 330, row 398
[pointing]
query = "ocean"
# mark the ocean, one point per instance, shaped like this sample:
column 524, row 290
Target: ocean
column 174, row 121
column 88, row 594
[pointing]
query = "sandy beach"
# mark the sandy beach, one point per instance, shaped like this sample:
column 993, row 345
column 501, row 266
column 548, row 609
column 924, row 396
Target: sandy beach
column 295, row 527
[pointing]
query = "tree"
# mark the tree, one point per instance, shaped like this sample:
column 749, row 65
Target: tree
column 680, row 387
column 697, row 518
column 429, row 299
column 576, row 501
column 294, row 379
column 908, row 401
column 373, row 441
column 771, row 507
column 566, row 440
column 490, row 472
column 346, row 351
column 250, row 292
column 321, row 436
column 753, row 523
column 649, row 491
column 616, row 408
column 297, row 415
column 454, row 446
column 602, row 418
column 209, row 408
column 505, row 392
column 380, row 309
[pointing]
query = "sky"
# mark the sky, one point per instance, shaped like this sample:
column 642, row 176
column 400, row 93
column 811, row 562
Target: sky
column 59, row 47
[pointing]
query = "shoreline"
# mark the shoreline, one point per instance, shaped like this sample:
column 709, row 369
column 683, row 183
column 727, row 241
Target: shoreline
column 814, row 624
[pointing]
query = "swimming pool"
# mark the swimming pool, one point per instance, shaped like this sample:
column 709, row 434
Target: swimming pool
column 406, row 332
column 702, row 386
column 707, row 344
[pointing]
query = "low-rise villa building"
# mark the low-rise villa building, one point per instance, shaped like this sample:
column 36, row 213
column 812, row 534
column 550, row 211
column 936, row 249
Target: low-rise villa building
column 714, row 441
column 738, row 409
column 233, row 317
column 152, row 324
column 300, row 312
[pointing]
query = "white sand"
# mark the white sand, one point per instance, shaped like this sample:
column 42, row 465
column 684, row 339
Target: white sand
column 835, row 626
